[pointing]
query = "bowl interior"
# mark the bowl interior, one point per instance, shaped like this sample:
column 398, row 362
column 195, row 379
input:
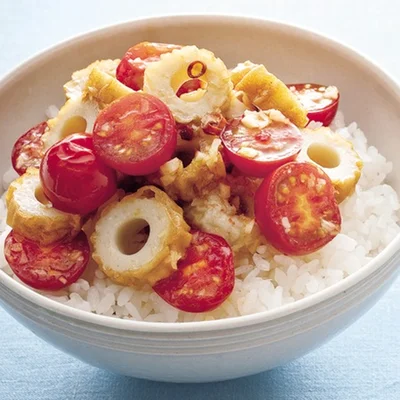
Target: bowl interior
column 368, row 95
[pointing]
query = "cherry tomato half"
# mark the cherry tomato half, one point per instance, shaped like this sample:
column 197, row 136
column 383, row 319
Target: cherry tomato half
column 135, row 134
column 73, row 178
column 205, row 276
column 255, row 152
column 296, row 209
column 321, row 101
column 130, row 70
column 28, row 149
column 51, row 267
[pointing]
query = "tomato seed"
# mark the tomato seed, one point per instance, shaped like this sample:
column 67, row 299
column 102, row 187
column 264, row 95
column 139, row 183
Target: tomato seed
column 283, row 189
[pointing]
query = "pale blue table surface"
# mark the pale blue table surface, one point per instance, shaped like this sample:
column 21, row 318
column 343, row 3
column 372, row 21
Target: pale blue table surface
column 361, row 363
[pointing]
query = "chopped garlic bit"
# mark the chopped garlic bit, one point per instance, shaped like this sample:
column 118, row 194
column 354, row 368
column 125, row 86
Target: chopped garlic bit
column 286, row 224
column 320, row 184
column 248, row 152
column 311, row 181
column 277, row 116
column 331, row 92
column 328, row 226
column 261, row 119
column 237, row 106
column 254, row 119
column 316, row 98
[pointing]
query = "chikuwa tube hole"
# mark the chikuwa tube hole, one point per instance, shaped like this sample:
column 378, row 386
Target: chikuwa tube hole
column 324, row 155
column 132, row 236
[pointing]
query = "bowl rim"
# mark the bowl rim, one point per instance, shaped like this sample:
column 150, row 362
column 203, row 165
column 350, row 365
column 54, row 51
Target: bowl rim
column 227, row 323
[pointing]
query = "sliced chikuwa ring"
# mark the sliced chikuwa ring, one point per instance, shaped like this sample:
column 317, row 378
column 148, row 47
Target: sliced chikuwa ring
column 30, row 214
column 121, row 247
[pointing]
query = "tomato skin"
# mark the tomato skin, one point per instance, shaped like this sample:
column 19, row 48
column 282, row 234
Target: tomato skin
column 307, row 202
column 324, row 114
column 135, row 134
column 28, row 150
column 73, row 178
column 205, row 276
column 277, row 133
column 130, row 70
column 51, row 267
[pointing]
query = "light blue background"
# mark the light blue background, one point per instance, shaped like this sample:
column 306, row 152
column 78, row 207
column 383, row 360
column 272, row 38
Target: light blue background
column 361, row 363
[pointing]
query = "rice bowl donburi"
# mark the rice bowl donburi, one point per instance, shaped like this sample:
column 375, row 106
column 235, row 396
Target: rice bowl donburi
column 189, row 155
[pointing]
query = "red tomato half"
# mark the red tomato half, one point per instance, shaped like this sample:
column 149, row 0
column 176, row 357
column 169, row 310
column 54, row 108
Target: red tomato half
column 51, row 267
column 255, row 152
column 73, row 178
column 205, row 276
column 321, row 101
column 296, row 209
column 135, row 134
column 130, row 70
column 28, row 149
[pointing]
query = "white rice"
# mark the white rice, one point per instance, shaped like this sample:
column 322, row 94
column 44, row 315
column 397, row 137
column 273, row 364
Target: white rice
column 266, row 281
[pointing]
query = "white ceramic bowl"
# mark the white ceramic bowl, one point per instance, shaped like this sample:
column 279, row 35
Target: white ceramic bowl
column 214, row 350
